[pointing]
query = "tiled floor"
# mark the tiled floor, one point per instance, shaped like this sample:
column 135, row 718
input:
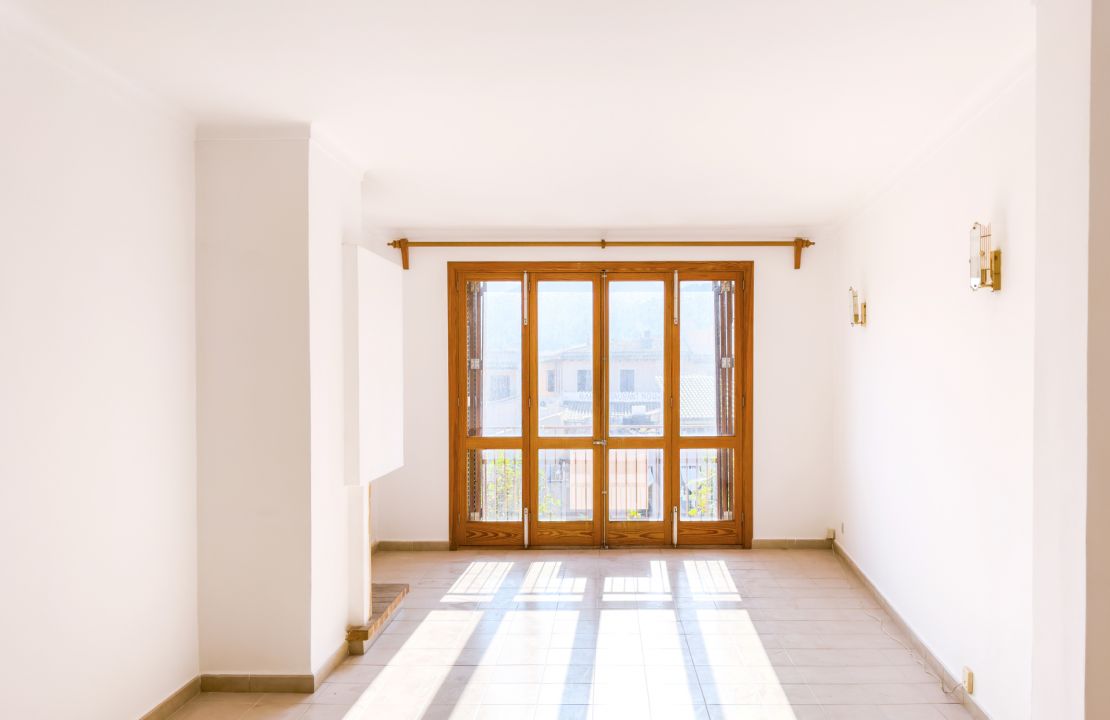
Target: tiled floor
column 753, row 635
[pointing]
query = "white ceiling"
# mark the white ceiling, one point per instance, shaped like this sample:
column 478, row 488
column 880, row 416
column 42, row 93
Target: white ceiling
column 601, row 113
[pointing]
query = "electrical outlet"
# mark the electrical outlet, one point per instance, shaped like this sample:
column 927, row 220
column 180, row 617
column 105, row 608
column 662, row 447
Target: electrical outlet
column 969, row 681
column 841, row 528
column 830, row 534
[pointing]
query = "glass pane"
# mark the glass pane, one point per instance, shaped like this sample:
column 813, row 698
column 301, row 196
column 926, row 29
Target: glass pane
column 493, row 368
column 493, row 487
column 566, row 357
column 635, row 485
column 566, row 482
column 706, row 399
column 705, row 484
column 636, row 325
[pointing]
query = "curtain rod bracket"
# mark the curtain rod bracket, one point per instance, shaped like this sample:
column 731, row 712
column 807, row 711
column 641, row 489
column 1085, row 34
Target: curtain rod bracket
column 403, row 245
column 799, row 244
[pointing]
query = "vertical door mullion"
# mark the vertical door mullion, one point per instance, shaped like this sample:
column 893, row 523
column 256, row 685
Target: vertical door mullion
column 601, row 388
column 527, row 339
column 671, row 424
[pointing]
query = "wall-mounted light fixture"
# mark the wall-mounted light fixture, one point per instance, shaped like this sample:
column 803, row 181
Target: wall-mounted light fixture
column 986, row 263
column 859, row 309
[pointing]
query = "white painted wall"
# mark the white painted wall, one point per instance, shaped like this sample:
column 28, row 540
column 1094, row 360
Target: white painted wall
column 253, row 402
column 1060, row 357
column 275, row 207
column 376, row 365
column 1098, row 388
column 334, row 218
column 935, row 419
column 791, row 394
column 97, row 413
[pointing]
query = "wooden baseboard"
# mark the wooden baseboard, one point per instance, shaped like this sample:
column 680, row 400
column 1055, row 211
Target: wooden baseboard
column 173, row 703
column 791, row 544
column 918, row 645
column 409, row 545
column 258, row 683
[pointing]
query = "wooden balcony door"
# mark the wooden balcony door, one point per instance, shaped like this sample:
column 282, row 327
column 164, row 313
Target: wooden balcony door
column 565, row 413
column 600, row 406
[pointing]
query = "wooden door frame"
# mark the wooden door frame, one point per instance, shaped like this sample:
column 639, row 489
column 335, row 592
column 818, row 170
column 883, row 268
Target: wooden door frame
column 745, row 270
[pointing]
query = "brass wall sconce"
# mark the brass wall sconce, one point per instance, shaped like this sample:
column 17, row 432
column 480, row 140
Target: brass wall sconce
column 859, row 309
column 986, row 263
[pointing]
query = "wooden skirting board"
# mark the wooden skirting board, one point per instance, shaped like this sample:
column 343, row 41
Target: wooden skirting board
column 916, row 642
column 258, row 683
column 791, row 544
column 407, row 545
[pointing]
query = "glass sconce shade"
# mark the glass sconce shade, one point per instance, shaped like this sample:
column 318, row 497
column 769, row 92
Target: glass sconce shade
column 976, row 256
column 985, row 264
column 856, row 313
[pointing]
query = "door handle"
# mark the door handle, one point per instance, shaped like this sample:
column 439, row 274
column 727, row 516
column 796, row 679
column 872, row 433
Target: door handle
column 674, row 526
column 601, row 442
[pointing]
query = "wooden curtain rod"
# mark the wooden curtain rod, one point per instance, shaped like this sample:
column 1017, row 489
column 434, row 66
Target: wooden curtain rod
column 797, row 243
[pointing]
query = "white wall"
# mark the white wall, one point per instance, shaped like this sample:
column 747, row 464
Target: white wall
column 935, row 419
column 791, row 393
column 335, row 218
column 1060, row 356
column 275, row 206
column 1098, row 389
column 375, row 365
column 97, row 414
column 253, row 402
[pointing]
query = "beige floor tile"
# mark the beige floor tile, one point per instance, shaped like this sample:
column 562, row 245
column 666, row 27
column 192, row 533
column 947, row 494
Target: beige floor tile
column 878, row 694
column 450, row 712
column 211, row 710
column 228, row 697
column 284, row 699
column 618, row 712
column 330, row 693
column 675, row 694
column 863, row 674
column 882, row 712
column 275, row 712
column 679, row 712
column 511, row 694
column 329, row 712
column 763, row 694
column 566, row 694
column 563, row 712
column 505, row 712
column 351, row 672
